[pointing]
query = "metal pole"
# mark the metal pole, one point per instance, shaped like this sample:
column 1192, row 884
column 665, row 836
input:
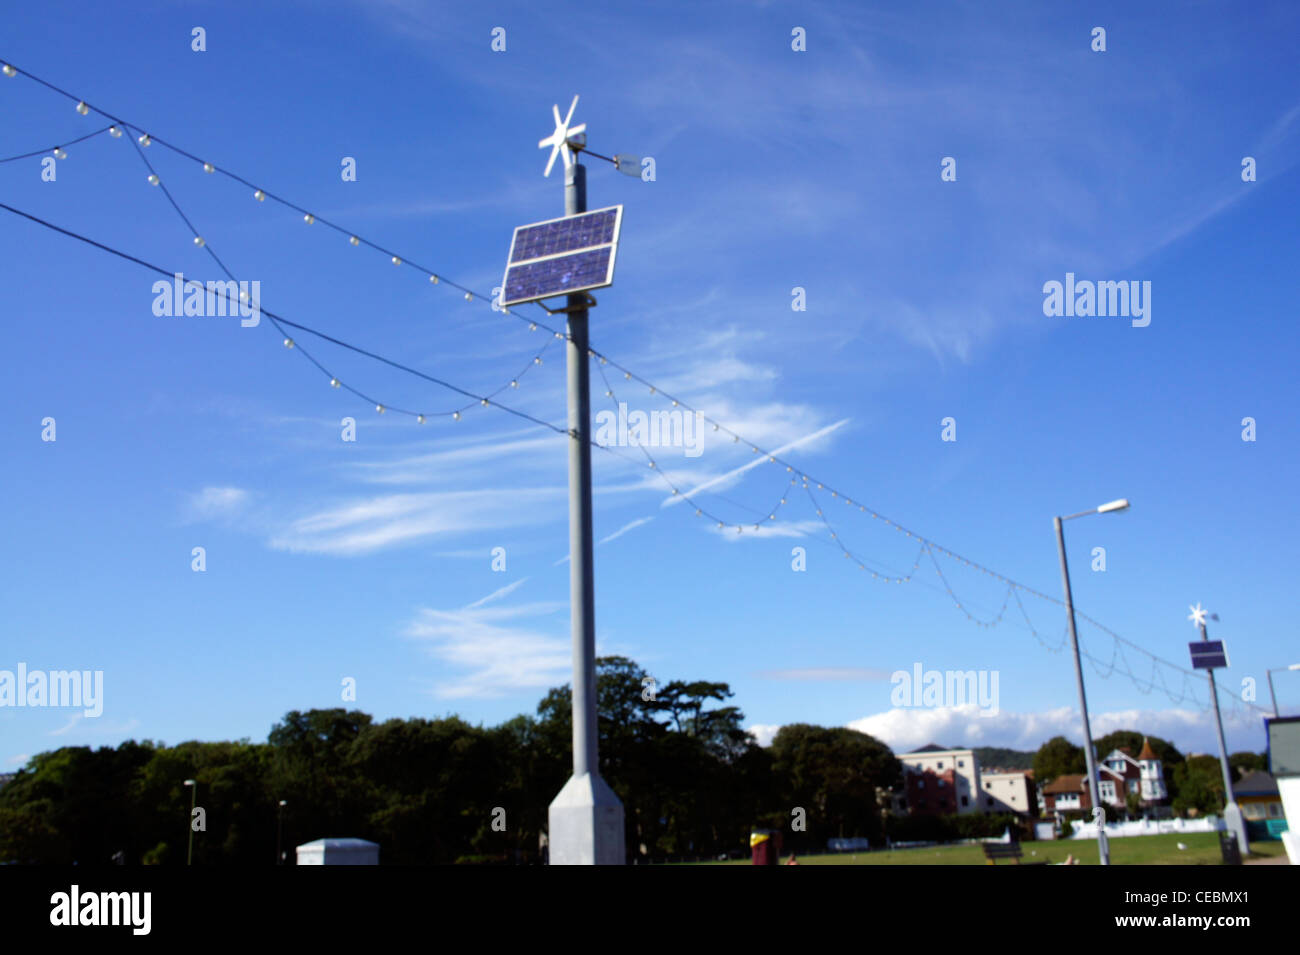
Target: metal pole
column 279, row 830
column 1232, row 818
column 581, row 578
column 1103, row 850
column 586, row 819
column 1272, row 695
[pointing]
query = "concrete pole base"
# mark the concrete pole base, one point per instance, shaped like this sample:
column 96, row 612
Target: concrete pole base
column 1234, row 822
column 586, row 824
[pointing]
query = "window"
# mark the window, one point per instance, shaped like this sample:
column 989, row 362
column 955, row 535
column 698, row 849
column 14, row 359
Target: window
column 988, row 785
column 920, row 784
column 988, row 800
column 961, row 763
column 941, row 784
column 963, row 800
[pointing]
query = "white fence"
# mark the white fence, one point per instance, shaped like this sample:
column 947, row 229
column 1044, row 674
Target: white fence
column 1146, row 827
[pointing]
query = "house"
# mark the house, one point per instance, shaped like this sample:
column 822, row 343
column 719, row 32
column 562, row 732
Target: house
column 1261, row 805
column 938, row 781
column 1011, row 791
column 1066, row 794
column 1119, row 774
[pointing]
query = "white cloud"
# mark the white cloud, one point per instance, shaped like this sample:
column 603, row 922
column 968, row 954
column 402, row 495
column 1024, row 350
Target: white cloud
column 629, row 526
column 1189, row 730
column 215, row 502
column 732, row 477
column 764, row 732
column 494, row 651
column 499, row 593
column 73, row 720
column 371, row 524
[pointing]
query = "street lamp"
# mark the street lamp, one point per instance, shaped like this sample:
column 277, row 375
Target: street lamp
column 279, row 828
column 194, row 795
column 1294, row 666
column 1121, row 505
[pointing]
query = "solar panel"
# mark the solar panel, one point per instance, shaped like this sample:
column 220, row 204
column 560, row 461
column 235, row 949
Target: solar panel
column 559, row 256
column 1208, row 655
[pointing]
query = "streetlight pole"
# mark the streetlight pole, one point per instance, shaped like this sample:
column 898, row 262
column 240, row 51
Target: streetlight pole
column 1103, row 848
column 1271, row 694
column 194, row 795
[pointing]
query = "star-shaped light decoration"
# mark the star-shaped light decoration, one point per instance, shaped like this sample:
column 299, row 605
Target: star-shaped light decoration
column 1198, row 614
column 559, row 140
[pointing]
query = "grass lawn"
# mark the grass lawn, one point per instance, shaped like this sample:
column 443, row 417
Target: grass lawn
column 1202, row 849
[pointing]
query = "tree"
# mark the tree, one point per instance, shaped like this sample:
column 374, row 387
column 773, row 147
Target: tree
column 1200, row 786
column 1058, row 757
column 1243, row 763
column 832, row 774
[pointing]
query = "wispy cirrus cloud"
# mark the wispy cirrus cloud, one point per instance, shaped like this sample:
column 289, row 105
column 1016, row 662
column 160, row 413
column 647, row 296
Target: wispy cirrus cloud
column 372, row 524
column 494, row 651
column 629, row 526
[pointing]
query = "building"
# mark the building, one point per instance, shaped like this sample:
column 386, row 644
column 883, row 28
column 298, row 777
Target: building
column 939, row 782
column 1120, row 774
column 1012, row 791
column 1067, row 794
column 1261, row 805
column 338, row 852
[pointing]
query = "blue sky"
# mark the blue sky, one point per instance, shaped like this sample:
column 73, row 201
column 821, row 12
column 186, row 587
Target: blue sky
column 775, row 169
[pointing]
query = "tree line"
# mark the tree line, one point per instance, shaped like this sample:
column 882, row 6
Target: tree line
column 438, row 791
column 692, row 780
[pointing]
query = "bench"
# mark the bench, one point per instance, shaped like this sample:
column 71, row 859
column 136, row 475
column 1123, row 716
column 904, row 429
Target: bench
column 1001, row 850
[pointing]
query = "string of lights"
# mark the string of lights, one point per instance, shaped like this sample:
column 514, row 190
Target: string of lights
column 281, row 323
column 927, row 546
column 59, row 151
column 145, row 138
column 700, row 510
column 454, row 413
column 931, row 547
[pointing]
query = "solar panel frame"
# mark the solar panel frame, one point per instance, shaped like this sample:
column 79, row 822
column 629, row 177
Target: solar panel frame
column 1208, row 654
column 578, row 242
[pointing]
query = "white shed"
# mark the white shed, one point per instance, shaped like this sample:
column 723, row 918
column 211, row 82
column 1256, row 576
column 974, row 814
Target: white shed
column 339, row 852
